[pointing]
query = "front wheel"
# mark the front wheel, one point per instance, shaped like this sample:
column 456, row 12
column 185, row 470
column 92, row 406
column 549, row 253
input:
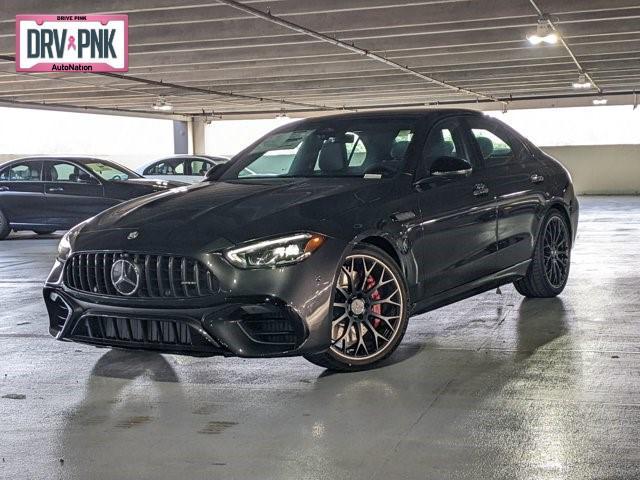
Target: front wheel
column 549, row 268
column 370, row 311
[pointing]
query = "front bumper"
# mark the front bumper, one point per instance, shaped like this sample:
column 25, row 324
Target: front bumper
column 257, row 313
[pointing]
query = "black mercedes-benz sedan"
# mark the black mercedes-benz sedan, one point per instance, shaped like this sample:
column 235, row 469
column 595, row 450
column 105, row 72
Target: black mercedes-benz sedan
column 45, row 194
column 321, row 239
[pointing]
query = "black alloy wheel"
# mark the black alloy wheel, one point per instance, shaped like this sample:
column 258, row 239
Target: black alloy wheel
column 549, row 269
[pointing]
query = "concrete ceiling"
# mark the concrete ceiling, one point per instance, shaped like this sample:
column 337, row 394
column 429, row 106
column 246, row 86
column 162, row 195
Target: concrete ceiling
column 262, row 57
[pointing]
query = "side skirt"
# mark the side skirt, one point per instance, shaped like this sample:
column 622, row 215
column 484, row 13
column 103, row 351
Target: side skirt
column 473, row 288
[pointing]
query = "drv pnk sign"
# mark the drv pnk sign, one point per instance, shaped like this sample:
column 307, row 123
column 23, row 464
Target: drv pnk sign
column 80, row 43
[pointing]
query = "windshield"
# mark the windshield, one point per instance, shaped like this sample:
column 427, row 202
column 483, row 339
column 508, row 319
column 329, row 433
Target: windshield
column 372, row 148
column 110, row 172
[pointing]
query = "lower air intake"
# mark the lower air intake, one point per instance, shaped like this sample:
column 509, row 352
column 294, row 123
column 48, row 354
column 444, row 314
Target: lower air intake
column 165, row 334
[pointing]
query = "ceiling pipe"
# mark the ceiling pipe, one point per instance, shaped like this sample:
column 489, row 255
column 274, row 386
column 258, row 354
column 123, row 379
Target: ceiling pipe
column 352, row 48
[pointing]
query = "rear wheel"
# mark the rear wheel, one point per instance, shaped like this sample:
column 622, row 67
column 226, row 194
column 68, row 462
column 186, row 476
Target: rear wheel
column 370, row 313
column 44, row 231
column 549, row 268
column 5, row 229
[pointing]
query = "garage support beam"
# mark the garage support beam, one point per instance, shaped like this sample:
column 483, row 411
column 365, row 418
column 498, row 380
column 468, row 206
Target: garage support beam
column 198, row 125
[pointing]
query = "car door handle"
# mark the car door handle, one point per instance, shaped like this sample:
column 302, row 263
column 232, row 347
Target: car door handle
column 55, row 189
column 535, row 178
column 4, row 189
column 480, row 189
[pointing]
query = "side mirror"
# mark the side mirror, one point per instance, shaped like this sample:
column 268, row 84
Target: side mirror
column 450, row 167
column 86, row 178
column 215, row 172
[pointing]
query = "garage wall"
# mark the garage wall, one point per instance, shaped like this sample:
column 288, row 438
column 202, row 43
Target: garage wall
column 127, row 140
column 601, row 169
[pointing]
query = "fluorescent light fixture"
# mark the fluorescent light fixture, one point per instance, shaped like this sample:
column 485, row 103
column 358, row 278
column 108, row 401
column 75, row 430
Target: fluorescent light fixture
column 543, row 34
column 162, row 105
column 582, row 82
column 600, row 101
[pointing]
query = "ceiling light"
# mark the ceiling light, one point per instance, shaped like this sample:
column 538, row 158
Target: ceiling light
column 599, row 101
column 543, row 34
column 582, row 82
column 162, row 105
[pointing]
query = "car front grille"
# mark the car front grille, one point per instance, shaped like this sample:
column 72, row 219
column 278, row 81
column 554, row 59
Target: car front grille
column 155, row 334
column 159, row 276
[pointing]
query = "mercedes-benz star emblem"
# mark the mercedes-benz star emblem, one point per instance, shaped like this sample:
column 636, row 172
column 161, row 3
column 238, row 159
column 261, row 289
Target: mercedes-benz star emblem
column 132, row 235
column 125, row 277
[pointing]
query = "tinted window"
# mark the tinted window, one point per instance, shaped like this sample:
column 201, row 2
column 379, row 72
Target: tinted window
column 496, row 145
column 22, row 172
column 445, row 140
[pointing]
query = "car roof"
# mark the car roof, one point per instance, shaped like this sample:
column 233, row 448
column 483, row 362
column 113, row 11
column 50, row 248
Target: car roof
column 399, row 113
column 185, row 156
column 67, row 158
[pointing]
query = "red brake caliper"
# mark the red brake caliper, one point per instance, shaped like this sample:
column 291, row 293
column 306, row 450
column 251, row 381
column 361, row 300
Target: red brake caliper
column 377, row 309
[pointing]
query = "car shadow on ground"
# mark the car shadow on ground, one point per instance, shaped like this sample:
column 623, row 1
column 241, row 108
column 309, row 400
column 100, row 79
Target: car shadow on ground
column 128, row 391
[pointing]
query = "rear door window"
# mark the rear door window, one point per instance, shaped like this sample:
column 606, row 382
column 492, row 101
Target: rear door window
column 22, row 172
column 496, row 145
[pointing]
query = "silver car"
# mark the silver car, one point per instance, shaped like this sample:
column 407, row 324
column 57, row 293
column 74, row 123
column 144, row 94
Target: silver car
column 185, row 168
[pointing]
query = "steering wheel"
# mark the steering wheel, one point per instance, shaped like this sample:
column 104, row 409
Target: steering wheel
column 116, row 178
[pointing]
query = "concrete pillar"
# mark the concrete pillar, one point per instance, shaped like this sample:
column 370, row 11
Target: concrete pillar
column 197, row 135
column 180, row 137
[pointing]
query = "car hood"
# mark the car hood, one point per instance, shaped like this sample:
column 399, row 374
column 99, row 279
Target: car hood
column 214, row 215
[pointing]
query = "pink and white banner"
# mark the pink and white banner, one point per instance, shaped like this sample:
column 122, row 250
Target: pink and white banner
column 78, row 43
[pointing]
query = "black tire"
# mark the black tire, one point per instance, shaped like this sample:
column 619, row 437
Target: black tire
column 5, row 229
column 378, row 301
column 549, row 268
column 44, row 231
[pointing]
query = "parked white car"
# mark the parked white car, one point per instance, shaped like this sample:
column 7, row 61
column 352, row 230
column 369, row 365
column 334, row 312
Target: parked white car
column 185, row 168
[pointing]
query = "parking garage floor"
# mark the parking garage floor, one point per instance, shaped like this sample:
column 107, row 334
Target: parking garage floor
column 492, row 387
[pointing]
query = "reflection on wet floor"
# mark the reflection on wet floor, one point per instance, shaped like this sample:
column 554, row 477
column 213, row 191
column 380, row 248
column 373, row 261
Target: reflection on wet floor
column 492, row 387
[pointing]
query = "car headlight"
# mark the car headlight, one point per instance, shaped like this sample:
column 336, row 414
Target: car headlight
column 276, row 252
column 64, row 247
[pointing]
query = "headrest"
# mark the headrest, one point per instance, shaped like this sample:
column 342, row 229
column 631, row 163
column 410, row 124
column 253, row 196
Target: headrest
column 398, row 150
column 34, row 174
column 486, row 146
column 53, row 173
column 332, row 157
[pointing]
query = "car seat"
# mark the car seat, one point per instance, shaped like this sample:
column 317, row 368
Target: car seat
column 486, row 146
